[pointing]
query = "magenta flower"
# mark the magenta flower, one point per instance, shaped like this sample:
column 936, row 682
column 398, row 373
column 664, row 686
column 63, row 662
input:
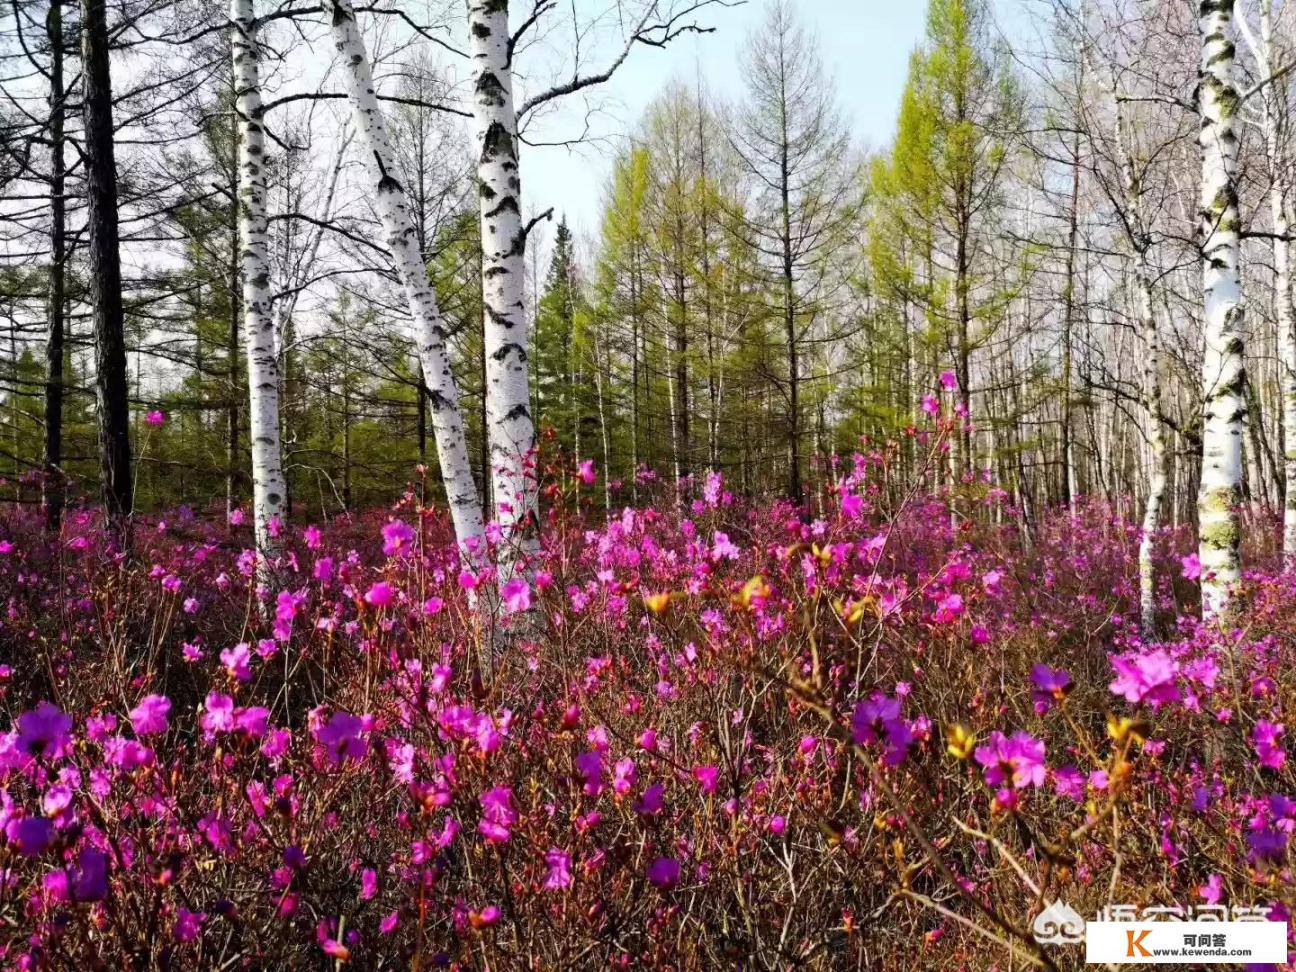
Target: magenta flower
column 368, row 883
column 1265, row 738
column 188, row 924
column 1149, row 677
column 30, row 836
column 1069, row 782
column 156, row 417
column 664, row 872
column 398, row 538
column 949, row 609
column 590, row 767
column 127, row 755
column 877, row 719
column 312, row 536
column 218, row 714
column 517, row 595
column 237, row 661
column 252, row 720
column 380, row 595
column 1051, row 685
column 586, row 472
column 650, row 804
column 852, row 505
column 88, row 876
column 948, row 380
column 708, row 777
column 1213, row 890
column 559, row 876
column 1191, row 566
column 1019, row 760
column 498, row 815
column 931, row 405
column 342, row 738
column 623, row 776
column 44, row 732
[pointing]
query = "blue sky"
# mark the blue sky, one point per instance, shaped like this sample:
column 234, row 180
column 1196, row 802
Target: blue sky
column 864, row 44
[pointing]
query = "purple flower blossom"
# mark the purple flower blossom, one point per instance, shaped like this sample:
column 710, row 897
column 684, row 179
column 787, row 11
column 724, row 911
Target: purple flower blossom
column 664, row 872
column 398, row 538
column 150, row 716
column 1019, row 760
column 1148, row 677
column 498, row 815
column 590, row 767
column 44, row 732
column 341, row 738
column 1265, row 738
column 517, row 595
column 559, row 876
column 877, row 719
column 1051, row 685
column 31, row 836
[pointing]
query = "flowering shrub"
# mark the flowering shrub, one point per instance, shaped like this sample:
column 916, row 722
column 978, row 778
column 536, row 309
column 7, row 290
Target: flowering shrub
column 724, row 737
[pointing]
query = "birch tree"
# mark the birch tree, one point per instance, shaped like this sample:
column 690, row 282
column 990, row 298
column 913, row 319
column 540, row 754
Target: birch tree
column 269, row 488
column 1223, row 368
column 402, row 239
column 1273, row 122
column 510, row 424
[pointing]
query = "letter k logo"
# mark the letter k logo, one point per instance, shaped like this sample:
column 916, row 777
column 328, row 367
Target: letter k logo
column 1133, row 940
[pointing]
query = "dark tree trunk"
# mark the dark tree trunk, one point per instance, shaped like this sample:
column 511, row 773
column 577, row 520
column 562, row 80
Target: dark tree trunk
column 105, row 269
column 53, row 482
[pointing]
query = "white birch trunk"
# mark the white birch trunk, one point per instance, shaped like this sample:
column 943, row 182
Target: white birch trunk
column 1157, row 466
column 508, row 414
column 268, row 485
column 402, row 239
column 1156, row 485
column 1273, row 120
column 1286, row 364
column 1223, row 370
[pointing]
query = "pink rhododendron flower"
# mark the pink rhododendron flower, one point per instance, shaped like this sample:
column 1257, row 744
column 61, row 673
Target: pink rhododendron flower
column 1146, row 677
column 1265, row 738
column 150, row 715
column 44, row 732
column 664, row 872
column 559, row 876
column 380, row 595
column 708, row 777
column 498, row 815
column 1051, row 686
column 517, row 595
column 398, row 538
column 877, row 719
column 1019, row 760
column 343, row 738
